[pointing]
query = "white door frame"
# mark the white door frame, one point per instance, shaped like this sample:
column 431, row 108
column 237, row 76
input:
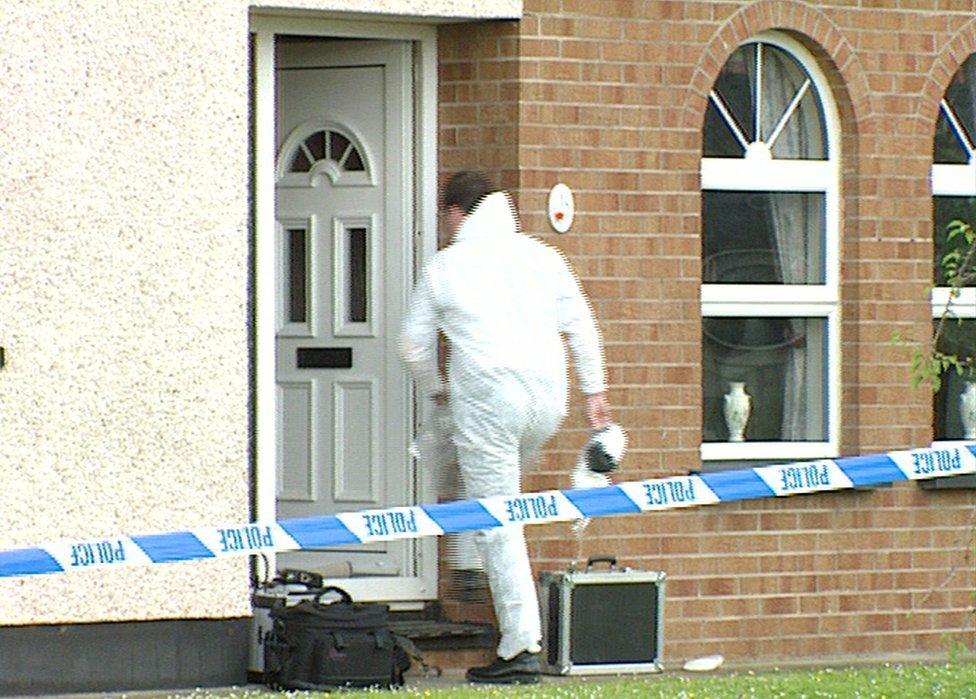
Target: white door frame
column 420, row 236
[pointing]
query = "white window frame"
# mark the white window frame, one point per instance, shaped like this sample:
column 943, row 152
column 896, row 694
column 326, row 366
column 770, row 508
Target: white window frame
column 953, row 180
column 756, row 172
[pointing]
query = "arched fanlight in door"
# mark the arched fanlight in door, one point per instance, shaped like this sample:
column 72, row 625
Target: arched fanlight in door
column 323, row 148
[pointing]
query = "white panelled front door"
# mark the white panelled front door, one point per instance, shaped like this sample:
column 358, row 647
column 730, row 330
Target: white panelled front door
column 343, row 210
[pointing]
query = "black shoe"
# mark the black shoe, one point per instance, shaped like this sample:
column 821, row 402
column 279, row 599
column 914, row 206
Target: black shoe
column 522, row 669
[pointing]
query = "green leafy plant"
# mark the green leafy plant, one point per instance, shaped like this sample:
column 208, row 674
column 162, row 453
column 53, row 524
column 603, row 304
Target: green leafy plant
column 944, row 351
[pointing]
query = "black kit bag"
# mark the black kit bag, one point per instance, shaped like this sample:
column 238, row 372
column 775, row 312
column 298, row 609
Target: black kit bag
column 330, row 642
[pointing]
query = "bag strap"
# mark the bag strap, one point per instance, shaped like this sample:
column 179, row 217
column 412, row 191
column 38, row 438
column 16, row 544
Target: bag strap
column 412, row 652
column 261, row 580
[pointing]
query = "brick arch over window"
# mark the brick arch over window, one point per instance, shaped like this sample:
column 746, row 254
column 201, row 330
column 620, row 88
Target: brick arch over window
column 944, row 67
column 847, row 78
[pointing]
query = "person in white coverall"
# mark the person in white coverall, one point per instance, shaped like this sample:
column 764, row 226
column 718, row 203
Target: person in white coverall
column 503, row 300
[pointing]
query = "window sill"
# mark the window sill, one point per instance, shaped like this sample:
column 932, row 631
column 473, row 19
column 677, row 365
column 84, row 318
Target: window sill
column 725, row 456
column 768, row 451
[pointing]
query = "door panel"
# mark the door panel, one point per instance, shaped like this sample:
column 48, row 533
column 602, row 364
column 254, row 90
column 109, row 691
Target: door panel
column 297, row 480
column 354, row 408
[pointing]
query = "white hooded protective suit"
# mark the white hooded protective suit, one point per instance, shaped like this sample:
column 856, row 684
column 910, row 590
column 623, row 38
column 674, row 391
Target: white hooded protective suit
column 502, row 299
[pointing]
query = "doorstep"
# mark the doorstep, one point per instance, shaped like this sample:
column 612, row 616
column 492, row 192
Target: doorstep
column 444, row 644
column 434, row 634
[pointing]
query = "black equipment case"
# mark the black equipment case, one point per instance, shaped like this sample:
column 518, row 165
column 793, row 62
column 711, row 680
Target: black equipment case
column 602, row 622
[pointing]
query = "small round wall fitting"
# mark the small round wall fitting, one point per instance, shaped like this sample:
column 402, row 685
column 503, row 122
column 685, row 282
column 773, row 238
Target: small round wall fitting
column 561, row 208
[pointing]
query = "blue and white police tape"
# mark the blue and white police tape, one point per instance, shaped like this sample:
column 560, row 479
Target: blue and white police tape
column 530, row 508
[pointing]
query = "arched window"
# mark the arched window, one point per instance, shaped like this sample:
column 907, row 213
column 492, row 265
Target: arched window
column 770, row 263
column 954, row 197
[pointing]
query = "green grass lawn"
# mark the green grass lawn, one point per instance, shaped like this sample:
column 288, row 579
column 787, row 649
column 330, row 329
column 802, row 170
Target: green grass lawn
column 955, row 680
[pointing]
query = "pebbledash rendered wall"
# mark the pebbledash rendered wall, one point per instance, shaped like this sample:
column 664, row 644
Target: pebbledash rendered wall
column 124, row 283
column 610, row 98
column 123, row 295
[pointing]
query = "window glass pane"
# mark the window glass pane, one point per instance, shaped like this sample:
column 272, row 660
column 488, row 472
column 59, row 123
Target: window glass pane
column 296, row 265
column 961, row 96
column 950, row 145
column 763, row 237
column 781, row 365
column 337, row 145
column 947, row 209
column 803, row 133
column 300, row 163
column 354, row 162
column 316, row 145
column 735, row 88
column 358, row 275
column 948, row 148
column 958, row 338
column 719, row 141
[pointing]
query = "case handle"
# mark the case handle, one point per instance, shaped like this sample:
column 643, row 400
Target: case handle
column 610, row 560
column 344, row 597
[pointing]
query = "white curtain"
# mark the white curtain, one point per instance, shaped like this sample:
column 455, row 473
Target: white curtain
column 789, row 224
column 794, row 217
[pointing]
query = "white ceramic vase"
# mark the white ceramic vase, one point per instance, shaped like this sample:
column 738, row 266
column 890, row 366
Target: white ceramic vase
column 737, row 407
column 967, row 410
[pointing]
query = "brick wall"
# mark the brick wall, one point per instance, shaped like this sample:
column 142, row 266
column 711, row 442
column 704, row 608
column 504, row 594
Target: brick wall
column 478, row 92
column 609, row 97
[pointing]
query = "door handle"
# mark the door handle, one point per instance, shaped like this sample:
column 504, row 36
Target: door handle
column 324, row 358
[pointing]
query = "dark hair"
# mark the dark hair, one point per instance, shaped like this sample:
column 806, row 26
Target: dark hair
column 465, row 190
